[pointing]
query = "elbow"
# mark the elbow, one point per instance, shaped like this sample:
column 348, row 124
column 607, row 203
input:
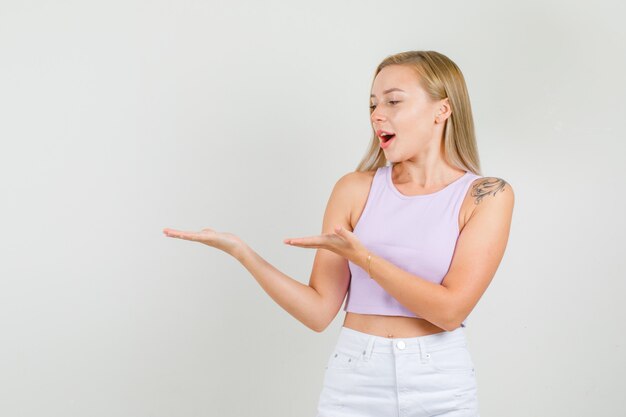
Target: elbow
column 318, row 329
column 319, row 326
column 314, row 325
column 454, row 321
column 323, row 320
column 322, row 317
column 450, row 326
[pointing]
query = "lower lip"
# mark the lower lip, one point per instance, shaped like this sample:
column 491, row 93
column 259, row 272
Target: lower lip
column 384, row 145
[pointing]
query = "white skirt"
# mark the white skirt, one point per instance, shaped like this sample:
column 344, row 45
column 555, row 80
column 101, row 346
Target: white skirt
column 422, row 376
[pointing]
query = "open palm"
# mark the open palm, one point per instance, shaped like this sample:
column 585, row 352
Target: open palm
column 343, row 242
column 226, row 242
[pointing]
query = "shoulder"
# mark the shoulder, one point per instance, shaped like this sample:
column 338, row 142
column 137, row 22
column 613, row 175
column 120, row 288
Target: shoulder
column 492, row 194
column 353, row 182
column 351, row 191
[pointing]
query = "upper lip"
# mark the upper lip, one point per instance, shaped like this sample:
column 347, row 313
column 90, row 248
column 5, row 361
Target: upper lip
column 380, row 133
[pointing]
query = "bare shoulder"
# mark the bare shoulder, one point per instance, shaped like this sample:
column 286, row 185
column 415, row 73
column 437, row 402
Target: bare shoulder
column 483, row 188
column 352, row 184
column 481, row 191
column 491, row 194
column 354, row 187
column 356, row 179
column 488, row 189
column 349, row 192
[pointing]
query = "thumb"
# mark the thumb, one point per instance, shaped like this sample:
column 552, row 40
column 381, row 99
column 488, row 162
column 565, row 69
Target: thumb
column 340, row 230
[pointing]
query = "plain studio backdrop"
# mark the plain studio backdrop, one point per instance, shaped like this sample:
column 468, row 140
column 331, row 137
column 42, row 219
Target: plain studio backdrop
column 121, row 118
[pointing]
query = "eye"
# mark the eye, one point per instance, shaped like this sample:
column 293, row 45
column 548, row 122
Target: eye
column 392, row 102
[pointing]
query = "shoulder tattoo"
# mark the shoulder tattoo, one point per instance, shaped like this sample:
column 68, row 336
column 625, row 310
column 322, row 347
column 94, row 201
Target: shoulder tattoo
column 488, row 185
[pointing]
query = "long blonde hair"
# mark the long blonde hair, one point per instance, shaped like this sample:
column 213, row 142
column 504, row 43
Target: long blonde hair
column 440, row 78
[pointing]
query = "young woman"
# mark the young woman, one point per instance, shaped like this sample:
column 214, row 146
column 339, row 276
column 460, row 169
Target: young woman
column 414, row 237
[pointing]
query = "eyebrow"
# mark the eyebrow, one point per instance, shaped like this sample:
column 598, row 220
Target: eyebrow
column 388, row 91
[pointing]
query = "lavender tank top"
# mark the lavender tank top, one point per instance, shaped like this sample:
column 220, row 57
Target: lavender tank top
column 416, row 233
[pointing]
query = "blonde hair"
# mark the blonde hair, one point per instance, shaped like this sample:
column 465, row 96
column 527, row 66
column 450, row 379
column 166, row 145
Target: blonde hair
column 440, row 78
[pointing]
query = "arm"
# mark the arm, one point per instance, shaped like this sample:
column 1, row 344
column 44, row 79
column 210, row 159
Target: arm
column 479, row 250
column 298, row 299
column 315, row 305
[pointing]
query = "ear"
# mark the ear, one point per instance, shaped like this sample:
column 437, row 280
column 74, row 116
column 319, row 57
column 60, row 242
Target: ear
column 444, row 111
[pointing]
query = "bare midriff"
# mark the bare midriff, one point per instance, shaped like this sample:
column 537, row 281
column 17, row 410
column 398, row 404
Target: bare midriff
column 389, row 326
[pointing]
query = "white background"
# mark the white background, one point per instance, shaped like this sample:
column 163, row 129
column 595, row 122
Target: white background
column 121, row 118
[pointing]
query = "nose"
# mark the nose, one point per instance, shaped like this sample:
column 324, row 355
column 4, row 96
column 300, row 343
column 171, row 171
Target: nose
column 377, row 115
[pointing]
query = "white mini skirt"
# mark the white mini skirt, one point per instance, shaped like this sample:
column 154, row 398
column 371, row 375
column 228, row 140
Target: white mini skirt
column 421, row 376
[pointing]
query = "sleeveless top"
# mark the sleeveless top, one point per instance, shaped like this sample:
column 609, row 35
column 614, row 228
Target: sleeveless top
column 416, row 233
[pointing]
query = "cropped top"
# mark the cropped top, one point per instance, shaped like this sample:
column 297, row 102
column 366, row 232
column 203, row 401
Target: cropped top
column 416, row 233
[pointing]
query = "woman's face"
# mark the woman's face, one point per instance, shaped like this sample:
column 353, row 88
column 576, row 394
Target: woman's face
column 400, row 106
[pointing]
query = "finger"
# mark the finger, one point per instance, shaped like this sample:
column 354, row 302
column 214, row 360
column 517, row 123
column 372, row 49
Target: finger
column 299, row 239
column 180, row 234
column 340, row 230
column 343, row 233
column 311, row 241
column 171, row 232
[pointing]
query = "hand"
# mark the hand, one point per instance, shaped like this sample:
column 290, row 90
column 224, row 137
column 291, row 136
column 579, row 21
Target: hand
column 343, row 242
column 226, row 242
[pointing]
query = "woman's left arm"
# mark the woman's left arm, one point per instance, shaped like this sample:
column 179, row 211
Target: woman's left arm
column 478, row 253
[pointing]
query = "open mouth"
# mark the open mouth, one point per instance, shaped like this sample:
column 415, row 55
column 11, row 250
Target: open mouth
column 387, row 137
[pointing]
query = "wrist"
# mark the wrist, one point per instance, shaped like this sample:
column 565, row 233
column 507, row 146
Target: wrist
column 241, row 252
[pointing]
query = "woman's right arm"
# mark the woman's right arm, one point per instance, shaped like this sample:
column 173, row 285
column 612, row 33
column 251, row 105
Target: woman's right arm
column 315, row 305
